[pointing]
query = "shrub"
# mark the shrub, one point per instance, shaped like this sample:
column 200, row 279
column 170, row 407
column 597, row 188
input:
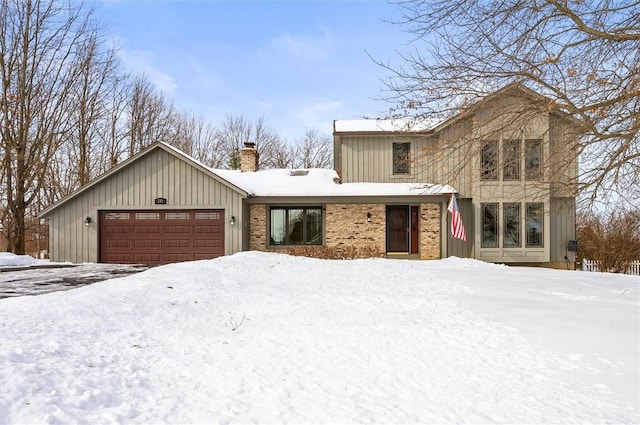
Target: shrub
column 337, row 252
column 612, row 241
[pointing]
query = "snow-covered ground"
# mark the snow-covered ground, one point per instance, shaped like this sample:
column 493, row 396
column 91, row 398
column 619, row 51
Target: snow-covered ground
column 267, row 338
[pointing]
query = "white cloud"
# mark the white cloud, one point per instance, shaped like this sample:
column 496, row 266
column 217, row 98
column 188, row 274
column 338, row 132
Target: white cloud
column 318, row 114
column 304, row 46
column 143, row 62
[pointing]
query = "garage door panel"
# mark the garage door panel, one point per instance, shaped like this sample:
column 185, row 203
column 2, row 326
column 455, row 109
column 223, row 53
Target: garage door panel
column 118, row 230
column 119, row 258
column 147, row 258
column 118, row 243
column 155, row 230
column 177, row 243
column 213, row 230
column 152, row 237
column 178, row 257
column 178, row 230
column 147, row 243
column 207, row 243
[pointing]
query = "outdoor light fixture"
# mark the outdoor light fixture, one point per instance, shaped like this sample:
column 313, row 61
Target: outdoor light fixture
column 87, row 221
column 368, row 217
column 233, row 220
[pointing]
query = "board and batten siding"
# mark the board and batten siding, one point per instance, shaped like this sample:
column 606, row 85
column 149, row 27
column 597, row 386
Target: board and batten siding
column 563, row 228
column 439, row 160
column 369, row 158
column 157, row 174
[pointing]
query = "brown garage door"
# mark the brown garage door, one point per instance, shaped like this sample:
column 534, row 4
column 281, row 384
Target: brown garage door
column 160, row 237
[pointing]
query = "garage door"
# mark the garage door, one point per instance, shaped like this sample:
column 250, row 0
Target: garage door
column 160, row 237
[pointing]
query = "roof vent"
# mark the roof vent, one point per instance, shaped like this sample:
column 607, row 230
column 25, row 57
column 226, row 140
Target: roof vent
column 299, row 172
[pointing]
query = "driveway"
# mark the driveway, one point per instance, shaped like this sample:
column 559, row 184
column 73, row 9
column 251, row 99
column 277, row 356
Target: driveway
column 41, row 279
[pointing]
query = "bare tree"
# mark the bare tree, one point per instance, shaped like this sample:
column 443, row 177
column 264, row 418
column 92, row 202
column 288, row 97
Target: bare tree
column 314, row 150
column 98, row 72
column 112, row 134
column 583, row 55
column 150, row 116
column 236, row 130
column 40, row 62
column 279, row 153
column 199, row 139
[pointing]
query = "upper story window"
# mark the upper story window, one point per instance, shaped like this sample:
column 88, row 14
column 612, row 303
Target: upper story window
column 534, row 222
column 489, row 160
column 511, row 159
column 295, row 226
column 533, row 159
column 489, row 224
column 401, row 156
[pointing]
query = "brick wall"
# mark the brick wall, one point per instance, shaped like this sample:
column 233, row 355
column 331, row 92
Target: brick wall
column 348, row 231
column 430, row 231
column 258, row 228
column 347, row 226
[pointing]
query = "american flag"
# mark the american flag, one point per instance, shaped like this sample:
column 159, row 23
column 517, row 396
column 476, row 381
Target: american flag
column 457, row 228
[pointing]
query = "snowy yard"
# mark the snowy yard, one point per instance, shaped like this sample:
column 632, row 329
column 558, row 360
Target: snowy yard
column 266, row 338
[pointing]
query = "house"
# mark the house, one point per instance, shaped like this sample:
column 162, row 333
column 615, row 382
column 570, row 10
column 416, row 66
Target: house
column 387, row 195
column 512, row 158
column 162, row 206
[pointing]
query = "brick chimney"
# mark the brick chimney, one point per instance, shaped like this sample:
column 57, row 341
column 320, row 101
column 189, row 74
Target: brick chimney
column 248, row 157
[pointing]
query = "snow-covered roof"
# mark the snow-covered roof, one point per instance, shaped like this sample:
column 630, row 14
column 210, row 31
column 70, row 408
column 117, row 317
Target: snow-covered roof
column 321, row 182
column 385, row 125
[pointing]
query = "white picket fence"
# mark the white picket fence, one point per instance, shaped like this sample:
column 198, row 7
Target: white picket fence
column 592, row 266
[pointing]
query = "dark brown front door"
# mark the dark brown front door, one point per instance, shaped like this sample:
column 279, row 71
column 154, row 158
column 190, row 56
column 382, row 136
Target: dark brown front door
column 160, row 237
column 397, row 228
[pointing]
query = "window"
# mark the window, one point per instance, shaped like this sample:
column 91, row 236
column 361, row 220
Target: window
column 116, row 216
column 489, row 160
column 295, row 226
column 511, row 222
column 511, row 152
column 533, row 159
column 148, row 216
column 207, row 216
column 534, row 223
column 176, row 216
column 489, row 225
column 401, row 152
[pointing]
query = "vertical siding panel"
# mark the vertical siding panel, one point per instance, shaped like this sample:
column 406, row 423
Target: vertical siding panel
column 156, row 174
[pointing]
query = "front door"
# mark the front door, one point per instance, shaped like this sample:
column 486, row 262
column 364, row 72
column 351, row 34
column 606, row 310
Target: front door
column 397, row 228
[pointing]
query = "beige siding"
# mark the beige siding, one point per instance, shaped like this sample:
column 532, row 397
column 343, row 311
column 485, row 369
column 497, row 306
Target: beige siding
column 452, row 156
column 563, row 229
column 156, row 174
column 563, row 158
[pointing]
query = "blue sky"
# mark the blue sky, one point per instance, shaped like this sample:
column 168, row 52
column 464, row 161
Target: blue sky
column 299, row 64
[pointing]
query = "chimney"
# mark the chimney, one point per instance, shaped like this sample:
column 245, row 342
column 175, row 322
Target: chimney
column 248, row 157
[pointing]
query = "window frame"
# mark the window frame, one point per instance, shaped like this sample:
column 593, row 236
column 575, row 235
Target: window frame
column 400, row 160
column 511, row 226
column 529, row 227
column 484, row 207
column 489, row 161
column 305, row 238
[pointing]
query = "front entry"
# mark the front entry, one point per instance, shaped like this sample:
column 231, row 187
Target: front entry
column 402, row 229
column 397, row 228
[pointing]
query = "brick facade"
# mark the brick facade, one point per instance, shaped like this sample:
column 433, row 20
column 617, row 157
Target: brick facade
column 430, row 232
column 346, row 230
column 346, row 225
